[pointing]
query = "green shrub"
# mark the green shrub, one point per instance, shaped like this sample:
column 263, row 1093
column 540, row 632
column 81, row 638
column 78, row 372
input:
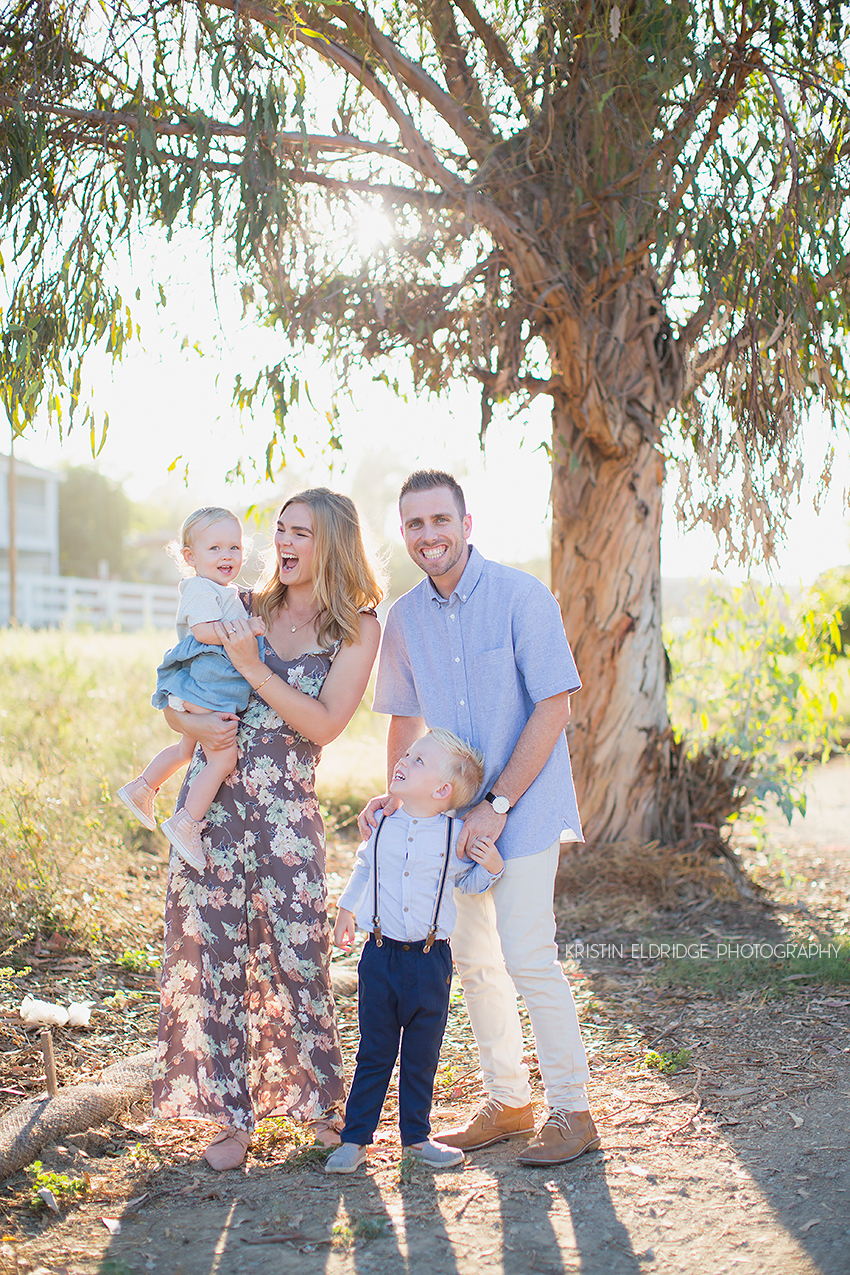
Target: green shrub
column 752, row 683
column 828, row 611
column 64, row 1190
column 667, row 1063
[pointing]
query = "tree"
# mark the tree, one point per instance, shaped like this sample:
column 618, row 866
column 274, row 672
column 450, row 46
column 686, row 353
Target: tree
column 93, row 520
column 638, row 209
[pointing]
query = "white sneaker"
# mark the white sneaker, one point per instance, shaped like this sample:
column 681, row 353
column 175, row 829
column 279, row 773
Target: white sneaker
column 346, row 1158
column 436, row 1154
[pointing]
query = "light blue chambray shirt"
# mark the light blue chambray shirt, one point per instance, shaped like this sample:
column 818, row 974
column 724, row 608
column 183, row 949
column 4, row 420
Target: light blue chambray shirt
column 476, row 664
column 410, row 866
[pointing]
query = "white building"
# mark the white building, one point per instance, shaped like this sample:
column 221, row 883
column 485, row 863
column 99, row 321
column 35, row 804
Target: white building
column 36, row 521
column 43, row 598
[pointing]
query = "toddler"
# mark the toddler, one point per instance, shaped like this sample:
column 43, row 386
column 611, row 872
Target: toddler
column 401, row 892
column 196, row 676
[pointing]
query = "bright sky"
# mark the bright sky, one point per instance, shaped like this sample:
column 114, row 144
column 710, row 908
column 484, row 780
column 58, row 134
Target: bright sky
column 165, row 402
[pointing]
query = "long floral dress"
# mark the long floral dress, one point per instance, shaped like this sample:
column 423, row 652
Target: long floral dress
column 247, row 1023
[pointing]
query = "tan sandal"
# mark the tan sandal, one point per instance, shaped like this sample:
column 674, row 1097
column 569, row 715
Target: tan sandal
column 227, row 1149
column 326, row 1131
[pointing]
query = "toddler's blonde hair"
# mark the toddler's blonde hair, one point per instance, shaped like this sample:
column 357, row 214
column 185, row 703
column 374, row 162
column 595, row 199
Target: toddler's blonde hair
column 464, row 766
column 196, row 522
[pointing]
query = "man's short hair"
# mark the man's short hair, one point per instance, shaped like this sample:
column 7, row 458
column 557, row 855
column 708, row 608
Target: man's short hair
column 464, row 765
column 429, row 480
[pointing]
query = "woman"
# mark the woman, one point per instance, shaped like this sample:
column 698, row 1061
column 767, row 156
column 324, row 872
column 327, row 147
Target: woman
column 247, row 1022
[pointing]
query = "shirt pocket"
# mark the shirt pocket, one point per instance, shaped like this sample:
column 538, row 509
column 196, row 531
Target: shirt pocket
column 497, row 682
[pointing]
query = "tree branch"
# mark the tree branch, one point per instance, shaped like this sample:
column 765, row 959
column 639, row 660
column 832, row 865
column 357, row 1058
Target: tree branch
column 314, row 142
column 409, row 74
column 727, row 100
column 424, row 156
column 667, row 147
column 708, row 360
column 461, row 81
column 498, row 53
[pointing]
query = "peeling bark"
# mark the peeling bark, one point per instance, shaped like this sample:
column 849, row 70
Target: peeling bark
column 606, row 575
column 607, row 489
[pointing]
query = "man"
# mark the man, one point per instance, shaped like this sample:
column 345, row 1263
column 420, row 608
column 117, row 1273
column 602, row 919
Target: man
column 479, row 649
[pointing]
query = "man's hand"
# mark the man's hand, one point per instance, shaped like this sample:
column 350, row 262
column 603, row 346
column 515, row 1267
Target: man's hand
column 345, row 929
column 484, row 851
column 481, row 821
column 366, row 820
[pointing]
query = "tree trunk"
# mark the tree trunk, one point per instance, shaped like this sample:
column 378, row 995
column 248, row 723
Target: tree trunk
column 606, row 575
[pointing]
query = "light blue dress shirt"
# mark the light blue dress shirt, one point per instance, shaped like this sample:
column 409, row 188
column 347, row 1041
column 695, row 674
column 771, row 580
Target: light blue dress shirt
column 410, row 866
column 477, row 663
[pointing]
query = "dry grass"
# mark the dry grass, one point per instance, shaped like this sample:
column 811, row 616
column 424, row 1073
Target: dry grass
column 626, row 883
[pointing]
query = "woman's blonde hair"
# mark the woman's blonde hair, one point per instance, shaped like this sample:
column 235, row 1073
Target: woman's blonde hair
column 344, row 580
column 197, row 521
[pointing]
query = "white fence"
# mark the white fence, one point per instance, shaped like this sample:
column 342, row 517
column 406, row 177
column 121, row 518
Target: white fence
column 51, row 601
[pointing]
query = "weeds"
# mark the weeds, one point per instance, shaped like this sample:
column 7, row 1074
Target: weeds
column 75, row 724
column 314, row 1155
column 753, row 681
column 275, row 1130
column 406, row 1167
column 361, row 1228
column 140, row 960
column 44, row 1185
column 668, row 1064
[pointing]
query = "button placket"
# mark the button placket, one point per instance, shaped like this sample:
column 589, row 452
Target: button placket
column 454, row 633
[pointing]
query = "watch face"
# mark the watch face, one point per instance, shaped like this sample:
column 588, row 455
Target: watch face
column 501, row 805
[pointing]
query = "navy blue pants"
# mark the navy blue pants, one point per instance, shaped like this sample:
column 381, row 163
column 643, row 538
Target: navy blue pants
column 403, row 996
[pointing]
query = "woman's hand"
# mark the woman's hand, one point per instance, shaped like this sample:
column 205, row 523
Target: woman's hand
column 240, row 644
column 318, row 718
column 210, row 730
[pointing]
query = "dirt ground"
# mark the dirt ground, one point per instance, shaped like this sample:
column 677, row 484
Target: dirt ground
column 738, row 1162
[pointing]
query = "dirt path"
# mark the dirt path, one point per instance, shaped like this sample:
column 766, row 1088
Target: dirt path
column 738, row 1162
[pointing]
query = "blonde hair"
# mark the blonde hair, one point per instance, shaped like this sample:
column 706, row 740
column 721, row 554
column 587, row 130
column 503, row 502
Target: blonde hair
column 344, row 580
column 464, row 765
column 196, row 522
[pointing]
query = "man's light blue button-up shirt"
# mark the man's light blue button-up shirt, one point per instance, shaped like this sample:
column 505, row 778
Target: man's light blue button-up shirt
column 477, row 663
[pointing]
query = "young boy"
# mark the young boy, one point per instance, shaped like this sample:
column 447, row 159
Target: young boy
column 401, row 892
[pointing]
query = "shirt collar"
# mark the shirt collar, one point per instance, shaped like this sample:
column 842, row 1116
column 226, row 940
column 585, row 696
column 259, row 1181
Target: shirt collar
column 465, row 585
column 422, row 820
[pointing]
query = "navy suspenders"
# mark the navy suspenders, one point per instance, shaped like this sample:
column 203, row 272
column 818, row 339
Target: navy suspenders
column 376, row 920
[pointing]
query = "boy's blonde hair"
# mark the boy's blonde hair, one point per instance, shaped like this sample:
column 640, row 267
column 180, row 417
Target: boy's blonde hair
column 464, row 766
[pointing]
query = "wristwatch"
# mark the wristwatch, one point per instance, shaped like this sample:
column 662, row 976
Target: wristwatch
column 501, row 805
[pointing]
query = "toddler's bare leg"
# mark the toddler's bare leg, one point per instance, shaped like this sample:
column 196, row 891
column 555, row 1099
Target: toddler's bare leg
column 203, row 788
column 168, row 762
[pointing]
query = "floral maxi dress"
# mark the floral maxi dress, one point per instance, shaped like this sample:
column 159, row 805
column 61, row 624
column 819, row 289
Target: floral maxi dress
column 247, row 1023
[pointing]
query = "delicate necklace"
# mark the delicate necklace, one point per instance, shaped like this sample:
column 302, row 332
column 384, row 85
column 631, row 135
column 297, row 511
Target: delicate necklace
column 296, row 627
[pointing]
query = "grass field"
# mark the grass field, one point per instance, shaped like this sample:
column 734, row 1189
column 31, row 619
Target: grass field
column 76, row 723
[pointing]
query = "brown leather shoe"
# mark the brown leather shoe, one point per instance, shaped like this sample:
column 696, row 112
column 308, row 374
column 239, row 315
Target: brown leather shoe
column 565, row 1136
column 492, row 1122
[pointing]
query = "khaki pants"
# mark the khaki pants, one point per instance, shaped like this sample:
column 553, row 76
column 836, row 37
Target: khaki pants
column 503, row 944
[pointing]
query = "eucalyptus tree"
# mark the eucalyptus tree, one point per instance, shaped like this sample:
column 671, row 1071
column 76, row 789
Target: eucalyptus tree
column 637, row 209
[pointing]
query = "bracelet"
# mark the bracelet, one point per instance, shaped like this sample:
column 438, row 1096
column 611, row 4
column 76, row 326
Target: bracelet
column 262, row 684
